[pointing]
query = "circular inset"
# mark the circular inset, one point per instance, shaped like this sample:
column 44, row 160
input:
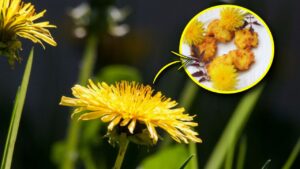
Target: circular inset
column 228, row 48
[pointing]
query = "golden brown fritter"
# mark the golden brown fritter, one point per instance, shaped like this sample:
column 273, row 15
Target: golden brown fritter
column 224, row 59
column 242, row 58
column 221, row 34
column 208, row 47
column 245, row 38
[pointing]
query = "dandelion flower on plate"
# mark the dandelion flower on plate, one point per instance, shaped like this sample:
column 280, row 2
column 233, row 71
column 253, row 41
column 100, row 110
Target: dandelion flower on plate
column 194, row 33
column 223, row 76
column 231, row 18
column 133, row 109
column 17, row 19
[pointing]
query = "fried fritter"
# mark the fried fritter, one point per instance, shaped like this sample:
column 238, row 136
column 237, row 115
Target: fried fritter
column 246, row 38
column 208, row 47
column 242, row 58
column 221, row 34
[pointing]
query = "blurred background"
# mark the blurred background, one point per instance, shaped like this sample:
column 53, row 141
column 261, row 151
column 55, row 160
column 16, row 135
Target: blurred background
column 138, row 36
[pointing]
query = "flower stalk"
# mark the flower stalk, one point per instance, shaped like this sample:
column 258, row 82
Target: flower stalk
column 188, row 95
column 123, row 143
column 72, row 139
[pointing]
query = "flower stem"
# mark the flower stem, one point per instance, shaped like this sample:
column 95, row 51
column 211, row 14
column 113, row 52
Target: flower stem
column 188, row 94
column 122, row 150
column 75, row 126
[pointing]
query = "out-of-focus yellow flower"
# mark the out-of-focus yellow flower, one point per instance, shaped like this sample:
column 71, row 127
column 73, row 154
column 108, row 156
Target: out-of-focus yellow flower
column 231, row 18
column 18, row 19
column 131, row 108
column 223, row 76
column 194, row 33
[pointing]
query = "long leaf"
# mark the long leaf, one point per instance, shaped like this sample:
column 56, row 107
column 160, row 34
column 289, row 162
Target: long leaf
column 230, row 157
column 186, row 162
column 16, row 116
column 169, row 157
column 267, row 164
column 233, row 128
column 242, row 153
column 292, row 156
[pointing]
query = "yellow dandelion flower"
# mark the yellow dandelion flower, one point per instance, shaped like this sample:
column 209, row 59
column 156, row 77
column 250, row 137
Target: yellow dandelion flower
column 132, row 107
column 18, row 19
column 223, row 76
column 231, row 18
column 194, row 33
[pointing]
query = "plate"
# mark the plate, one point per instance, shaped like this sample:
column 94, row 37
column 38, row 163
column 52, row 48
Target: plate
column 263, row 53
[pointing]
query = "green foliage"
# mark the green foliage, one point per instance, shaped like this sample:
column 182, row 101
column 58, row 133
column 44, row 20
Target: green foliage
column 186, row 162
column 171, row 157
column 295, row 152
column 234, row 128
column 242, row 153
column 58, row 151
column 16, row 116
column 266, row 165
column 113, row 73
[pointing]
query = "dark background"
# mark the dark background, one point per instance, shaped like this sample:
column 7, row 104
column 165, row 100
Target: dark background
column 156, row 27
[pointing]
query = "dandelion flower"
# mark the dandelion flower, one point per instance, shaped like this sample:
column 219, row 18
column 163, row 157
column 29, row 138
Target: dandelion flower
column 223, row 76
column 132, row 108
column 17, row 19
column 231, row 18
column 194, row 33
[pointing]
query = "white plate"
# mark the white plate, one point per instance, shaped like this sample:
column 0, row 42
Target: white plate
column 263, row 53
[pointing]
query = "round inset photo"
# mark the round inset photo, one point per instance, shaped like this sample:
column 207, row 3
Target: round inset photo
column 226, row 49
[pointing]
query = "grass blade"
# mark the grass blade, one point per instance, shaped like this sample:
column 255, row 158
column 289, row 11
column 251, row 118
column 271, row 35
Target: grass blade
column 233, row 128
column 16, row 116
column 242, row 153
column 186, row 162
column 230, row 157
column 267, row 164
column 292, row 156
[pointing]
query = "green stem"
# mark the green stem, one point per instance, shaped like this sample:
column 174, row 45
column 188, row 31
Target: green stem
column 292, row 156
column 193, row 151
column 88, row 61
column 87, row 159
column 122, row 150
column 188, row 94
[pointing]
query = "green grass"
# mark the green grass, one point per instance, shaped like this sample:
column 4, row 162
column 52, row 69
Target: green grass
column 16, row 116
column 293, row 156
column 234, row 128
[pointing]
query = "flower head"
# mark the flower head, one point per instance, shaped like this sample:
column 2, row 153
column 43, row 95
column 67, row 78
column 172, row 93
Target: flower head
column 231, row 18
column 223, row 76
column 194, row 33
column 18, row 19
column 132, row 108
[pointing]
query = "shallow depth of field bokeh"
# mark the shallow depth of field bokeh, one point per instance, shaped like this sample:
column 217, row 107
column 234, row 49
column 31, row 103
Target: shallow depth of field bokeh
column 155, row 28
